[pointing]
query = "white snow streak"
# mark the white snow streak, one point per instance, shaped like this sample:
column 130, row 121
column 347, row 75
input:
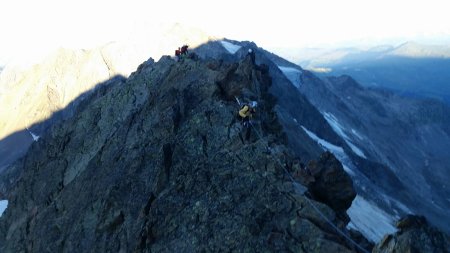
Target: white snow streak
column 357, row 134
column 323, row 143
column 370, row 220
column 338, row 152
column 35, row 137
column 331, row 119
column 348, row 170
column 334, row 124
column 292, row 74
column 230, row 47
column 356, row 150
column 3, row 206
column 365, row 217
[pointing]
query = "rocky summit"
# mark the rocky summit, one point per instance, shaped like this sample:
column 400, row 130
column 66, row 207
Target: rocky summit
column 159, row 162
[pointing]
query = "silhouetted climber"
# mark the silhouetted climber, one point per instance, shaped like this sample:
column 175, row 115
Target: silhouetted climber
column 246, row 113
column 252, row 55
column 178, row 53
column 184, row 50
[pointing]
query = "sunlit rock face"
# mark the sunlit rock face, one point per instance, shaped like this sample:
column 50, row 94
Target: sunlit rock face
column 32, row 93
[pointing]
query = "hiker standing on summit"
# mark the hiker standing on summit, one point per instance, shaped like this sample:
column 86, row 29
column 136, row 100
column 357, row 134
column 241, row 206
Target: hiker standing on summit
column 178, row 53
column 184, row 50
column 181, row 53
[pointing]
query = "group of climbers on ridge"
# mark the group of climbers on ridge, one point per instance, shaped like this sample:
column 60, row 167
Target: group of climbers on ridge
column 180, row 52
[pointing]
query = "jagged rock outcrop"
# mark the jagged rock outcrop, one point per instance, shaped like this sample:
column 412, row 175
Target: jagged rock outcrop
column 156, row 163
column 331, row 185
column 414, row 235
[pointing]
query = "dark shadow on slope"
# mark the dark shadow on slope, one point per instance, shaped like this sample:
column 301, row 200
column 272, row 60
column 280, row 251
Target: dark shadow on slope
column 16, row 145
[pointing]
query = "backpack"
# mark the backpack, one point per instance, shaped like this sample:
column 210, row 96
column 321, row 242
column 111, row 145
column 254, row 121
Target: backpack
column 245, row 111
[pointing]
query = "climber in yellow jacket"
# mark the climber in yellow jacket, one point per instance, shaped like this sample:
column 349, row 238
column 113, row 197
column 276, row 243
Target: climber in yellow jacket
column 246, row 113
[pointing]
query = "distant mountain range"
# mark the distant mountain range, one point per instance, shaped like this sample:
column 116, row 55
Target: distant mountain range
column 410, row 69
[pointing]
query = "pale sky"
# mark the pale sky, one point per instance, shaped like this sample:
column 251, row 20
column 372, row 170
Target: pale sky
column 30, row 27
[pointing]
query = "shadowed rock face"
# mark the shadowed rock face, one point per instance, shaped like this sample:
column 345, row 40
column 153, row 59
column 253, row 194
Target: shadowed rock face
column 415, row 235
column 157, row 163
column 331, row 184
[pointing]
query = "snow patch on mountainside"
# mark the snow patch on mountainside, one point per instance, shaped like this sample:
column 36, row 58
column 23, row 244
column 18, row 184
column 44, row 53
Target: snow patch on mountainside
column 365, row 217
column 292, row 74
column 331, row 119
column 323, row 143
column 34, row 136
column 356, row 150
column 373, row 222
column 336, row 150
column 230, row 47
column 355, row 133
column 3, row 206
column 348, row 170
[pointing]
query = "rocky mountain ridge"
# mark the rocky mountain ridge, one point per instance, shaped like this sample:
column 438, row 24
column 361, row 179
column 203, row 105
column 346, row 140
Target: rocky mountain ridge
column 157, row 163
column 166, row 146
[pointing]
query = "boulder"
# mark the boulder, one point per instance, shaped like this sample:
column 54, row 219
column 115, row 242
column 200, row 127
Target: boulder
column 331, row 185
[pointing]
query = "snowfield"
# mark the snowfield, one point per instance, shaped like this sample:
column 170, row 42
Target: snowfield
column 365, row 217
column 368, row 218
column 230, row 47
column 292, row 74
column 323, row 143
column 331, row 119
